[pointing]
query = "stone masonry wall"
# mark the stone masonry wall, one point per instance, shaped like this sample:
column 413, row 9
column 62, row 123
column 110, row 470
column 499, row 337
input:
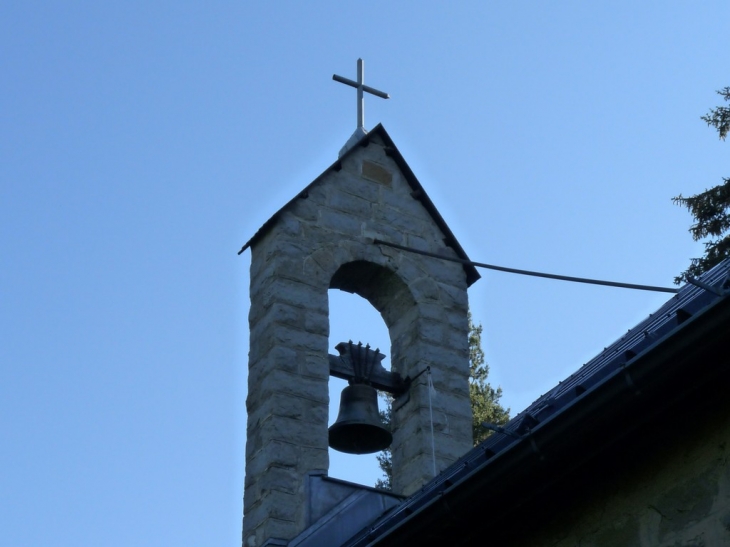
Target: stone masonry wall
column 328, row 233
column 678, row 496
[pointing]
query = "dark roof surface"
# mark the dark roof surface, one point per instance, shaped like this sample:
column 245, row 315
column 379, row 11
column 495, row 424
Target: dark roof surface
column 688, row 330
column 418, row 193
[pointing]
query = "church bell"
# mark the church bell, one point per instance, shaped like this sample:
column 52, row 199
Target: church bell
column 358, row 428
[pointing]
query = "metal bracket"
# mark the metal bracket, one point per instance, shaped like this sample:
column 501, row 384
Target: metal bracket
column 709, row 288
column 360, row 364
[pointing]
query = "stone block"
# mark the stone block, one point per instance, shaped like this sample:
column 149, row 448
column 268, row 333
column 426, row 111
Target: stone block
column 295, row 385
column 454, row 297
column 305, row 210
column 413, row 417
column 282, row 313
column 401, row 314
column 422, row 244
column 297, row 338
column 269, row 530
column 279, row 479
column 278, row 357
column 299, row 432
column 285, row 453
column 400, row 199
column 376, row 151
column 442, row 271
column 317, row 194
column 418, row 442
column 285, row 248
column 432, row 332
column 451, row 382
column 443, row 357
column 349, row 204
column 356, row 186
column 455, row 339
column 418, row 472
column 320, row 237
column 454, row 318
column 452, row 402
column 288, row 223
column 351, row 165
column 361, row 249
column 287, row 268
column 290, row 406
column 284, row 268
column 401, row 221
column 372, row 230
column 449, row 448
column 425, row 290
column 266, row 336
column 276, row 505
column 292, row 292
column 263, row 335
column 339, row 222
column 395, row 305
column 408, row 265
column 251, row 498
column 316, row 322
column 325, row 259
column 314, row 365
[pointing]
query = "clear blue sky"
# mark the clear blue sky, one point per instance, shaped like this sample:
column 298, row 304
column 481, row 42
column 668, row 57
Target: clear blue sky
column 142, row 143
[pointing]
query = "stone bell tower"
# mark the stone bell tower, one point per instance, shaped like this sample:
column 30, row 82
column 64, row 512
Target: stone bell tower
column 326, row 238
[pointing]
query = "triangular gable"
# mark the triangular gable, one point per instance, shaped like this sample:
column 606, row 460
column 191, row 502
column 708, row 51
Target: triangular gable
column 417, row 192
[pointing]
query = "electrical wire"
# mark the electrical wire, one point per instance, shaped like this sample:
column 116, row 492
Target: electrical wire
column 528, row 272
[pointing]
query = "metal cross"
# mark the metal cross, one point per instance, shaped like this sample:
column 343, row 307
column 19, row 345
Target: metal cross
column 360, row 86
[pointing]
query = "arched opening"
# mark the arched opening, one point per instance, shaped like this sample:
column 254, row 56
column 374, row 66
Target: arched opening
column 378, row 304
column 353, row 318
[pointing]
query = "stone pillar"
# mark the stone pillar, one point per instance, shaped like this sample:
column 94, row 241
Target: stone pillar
column 435, row 335
column 288, row 402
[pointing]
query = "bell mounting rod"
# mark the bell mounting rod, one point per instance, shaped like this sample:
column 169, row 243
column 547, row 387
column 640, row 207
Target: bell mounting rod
column 359, row 364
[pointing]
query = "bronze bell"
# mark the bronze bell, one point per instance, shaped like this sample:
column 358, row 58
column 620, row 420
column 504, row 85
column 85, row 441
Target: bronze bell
column 358, row 428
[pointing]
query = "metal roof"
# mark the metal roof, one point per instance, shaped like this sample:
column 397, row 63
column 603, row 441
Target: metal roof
column 666, row 328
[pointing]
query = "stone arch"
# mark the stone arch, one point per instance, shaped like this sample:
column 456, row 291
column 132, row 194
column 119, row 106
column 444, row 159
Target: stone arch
column 387, row 293
column 418, row 320
column 400, row 287
column 352, row 317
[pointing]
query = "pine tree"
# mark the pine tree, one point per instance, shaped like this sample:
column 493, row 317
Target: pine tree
column 385, row 462
column 485, row 404
column 711, row 208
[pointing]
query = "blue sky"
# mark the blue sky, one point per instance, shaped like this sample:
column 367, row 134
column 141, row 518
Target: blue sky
column 141, row 144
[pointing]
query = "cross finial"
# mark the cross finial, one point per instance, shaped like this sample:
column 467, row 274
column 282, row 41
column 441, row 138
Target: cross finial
column 361, row 87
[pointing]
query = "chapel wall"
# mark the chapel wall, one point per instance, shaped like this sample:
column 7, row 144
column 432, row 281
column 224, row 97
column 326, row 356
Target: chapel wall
column 673, row 494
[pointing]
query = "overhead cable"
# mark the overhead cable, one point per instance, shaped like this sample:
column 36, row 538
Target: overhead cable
column 528, row 272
